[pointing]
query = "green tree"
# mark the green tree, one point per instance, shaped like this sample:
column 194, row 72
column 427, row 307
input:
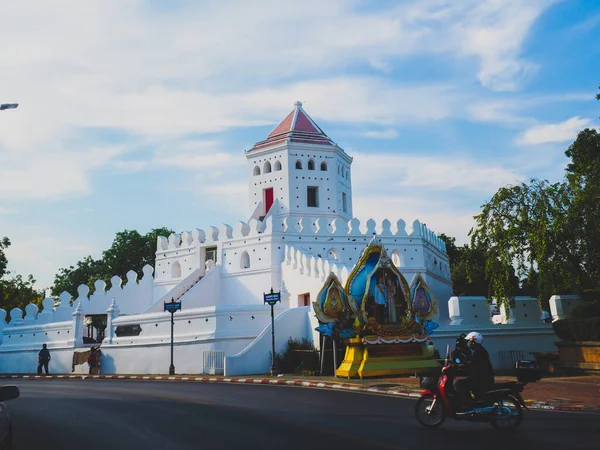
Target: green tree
column 583, row 177
column 86, row 271
column 526, row 227
column 4, row 244
column 468, row 268
column 130, row 250
column 17, row 292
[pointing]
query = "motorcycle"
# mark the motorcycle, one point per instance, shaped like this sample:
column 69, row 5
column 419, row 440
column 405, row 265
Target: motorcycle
column 502, row 406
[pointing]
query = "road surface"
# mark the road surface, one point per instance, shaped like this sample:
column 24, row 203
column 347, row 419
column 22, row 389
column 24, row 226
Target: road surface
column 111, row 414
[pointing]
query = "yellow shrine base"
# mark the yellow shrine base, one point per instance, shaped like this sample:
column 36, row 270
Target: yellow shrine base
column 373, row 360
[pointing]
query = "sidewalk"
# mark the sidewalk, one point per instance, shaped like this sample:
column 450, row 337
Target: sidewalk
column 557, row 394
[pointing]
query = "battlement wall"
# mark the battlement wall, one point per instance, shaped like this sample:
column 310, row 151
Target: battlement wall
column 133, row 298
column 301, row 226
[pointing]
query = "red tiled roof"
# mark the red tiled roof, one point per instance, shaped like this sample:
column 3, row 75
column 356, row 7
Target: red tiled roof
column 296, row 127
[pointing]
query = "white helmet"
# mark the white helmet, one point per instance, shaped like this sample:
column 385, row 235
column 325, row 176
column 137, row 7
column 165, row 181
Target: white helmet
column 474, row 336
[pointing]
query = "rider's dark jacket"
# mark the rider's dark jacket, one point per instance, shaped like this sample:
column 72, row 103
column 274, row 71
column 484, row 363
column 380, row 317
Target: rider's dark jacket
column 481, row 374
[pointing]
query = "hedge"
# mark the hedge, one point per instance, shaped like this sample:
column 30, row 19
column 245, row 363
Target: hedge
column 571, row 329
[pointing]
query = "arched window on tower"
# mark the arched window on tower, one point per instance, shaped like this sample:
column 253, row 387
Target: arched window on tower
column 176, row 270
column 311, row 164
column 299, row 164
column 277, row 166
column 245, row 261
column 267, row 167
column 347, row 174
column 256, row 170
column 324, row 166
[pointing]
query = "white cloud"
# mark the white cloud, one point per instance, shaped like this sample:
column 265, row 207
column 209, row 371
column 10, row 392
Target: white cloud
column 30, row 244
column 6, row 211
column 192, row 155
column 382, row 134
column 588, row 24
column 439, row 215
column 495, row 32
column 554, row 132
column 427, row 188
column 198, row 68
column 51, row 174
column 431, row 172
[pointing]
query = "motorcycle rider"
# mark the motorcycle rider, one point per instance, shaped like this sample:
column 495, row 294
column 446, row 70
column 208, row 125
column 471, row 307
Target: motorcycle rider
column 480, row 378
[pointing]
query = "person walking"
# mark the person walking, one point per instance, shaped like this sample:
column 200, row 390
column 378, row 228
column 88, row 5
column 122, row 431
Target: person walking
column 43, row 359
column 94, row 360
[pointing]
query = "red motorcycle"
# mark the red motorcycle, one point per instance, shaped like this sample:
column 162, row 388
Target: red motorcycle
column 501, row 407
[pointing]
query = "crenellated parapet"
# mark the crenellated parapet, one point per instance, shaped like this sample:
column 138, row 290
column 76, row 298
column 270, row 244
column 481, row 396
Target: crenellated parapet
column 213, row 235
column 353, row 228
column 301, row 226
column 313, row 266
column 133, row 297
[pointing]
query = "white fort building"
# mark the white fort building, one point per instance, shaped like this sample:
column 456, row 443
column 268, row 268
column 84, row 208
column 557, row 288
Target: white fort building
column 300, row 228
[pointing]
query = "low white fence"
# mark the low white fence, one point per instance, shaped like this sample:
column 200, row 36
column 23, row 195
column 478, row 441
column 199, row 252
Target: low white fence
column 213, row 362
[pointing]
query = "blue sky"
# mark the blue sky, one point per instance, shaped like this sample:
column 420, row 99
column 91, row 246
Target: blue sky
column 135, row 114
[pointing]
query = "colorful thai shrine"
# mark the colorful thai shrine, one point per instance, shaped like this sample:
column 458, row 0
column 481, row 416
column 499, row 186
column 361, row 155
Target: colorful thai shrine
column 385, row 323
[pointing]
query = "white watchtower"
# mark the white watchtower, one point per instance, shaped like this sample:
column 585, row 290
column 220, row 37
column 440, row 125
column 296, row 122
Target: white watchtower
column 299, row 171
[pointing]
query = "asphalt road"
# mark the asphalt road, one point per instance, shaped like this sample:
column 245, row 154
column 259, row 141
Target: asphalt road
column 110, row 414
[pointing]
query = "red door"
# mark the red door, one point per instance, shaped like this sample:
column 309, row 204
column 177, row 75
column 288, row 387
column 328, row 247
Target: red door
column 268, row 199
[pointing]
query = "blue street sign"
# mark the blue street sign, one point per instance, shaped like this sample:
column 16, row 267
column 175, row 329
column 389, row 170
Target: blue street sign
column 172, row 306
column 272, row 297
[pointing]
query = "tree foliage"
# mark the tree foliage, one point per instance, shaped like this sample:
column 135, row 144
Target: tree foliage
column 4, row 244
column 130, row 250
column 549, row 232
column 18, row 292
column 468, row 268
column 526, row 227
column 583, row 177
column 15, row 292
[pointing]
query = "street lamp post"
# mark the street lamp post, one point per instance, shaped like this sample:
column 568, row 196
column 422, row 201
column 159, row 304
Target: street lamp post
column 172, row 307
column 271, row 298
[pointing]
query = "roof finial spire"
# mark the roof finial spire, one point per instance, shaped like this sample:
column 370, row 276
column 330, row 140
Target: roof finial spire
column 298, row 104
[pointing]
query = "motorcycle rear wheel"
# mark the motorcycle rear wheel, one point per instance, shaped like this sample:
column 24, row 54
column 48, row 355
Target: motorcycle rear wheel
column 426, row 415
column 509, row 414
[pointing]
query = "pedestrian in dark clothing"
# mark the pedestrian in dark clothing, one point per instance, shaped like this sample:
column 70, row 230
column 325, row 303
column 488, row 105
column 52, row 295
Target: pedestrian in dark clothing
column 93, row 359
column 43, row 359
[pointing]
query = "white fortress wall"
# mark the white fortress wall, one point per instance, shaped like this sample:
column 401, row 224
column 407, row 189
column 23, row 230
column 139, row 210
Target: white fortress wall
column 22, row 339
column 256, row 357
column 523, row 332
column 226, row 329
column 250, row 261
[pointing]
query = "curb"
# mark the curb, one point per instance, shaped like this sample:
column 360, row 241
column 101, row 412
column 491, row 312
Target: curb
column 531, row 404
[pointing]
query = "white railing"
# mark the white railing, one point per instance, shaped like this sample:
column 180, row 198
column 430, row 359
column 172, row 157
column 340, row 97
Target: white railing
column 213, row 362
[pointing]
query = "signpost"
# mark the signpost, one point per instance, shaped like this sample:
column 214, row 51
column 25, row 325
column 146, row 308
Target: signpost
column 172, row 307
column 271, row 298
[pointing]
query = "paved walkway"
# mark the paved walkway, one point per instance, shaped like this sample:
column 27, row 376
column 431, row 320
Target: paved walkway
column 559, row 394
